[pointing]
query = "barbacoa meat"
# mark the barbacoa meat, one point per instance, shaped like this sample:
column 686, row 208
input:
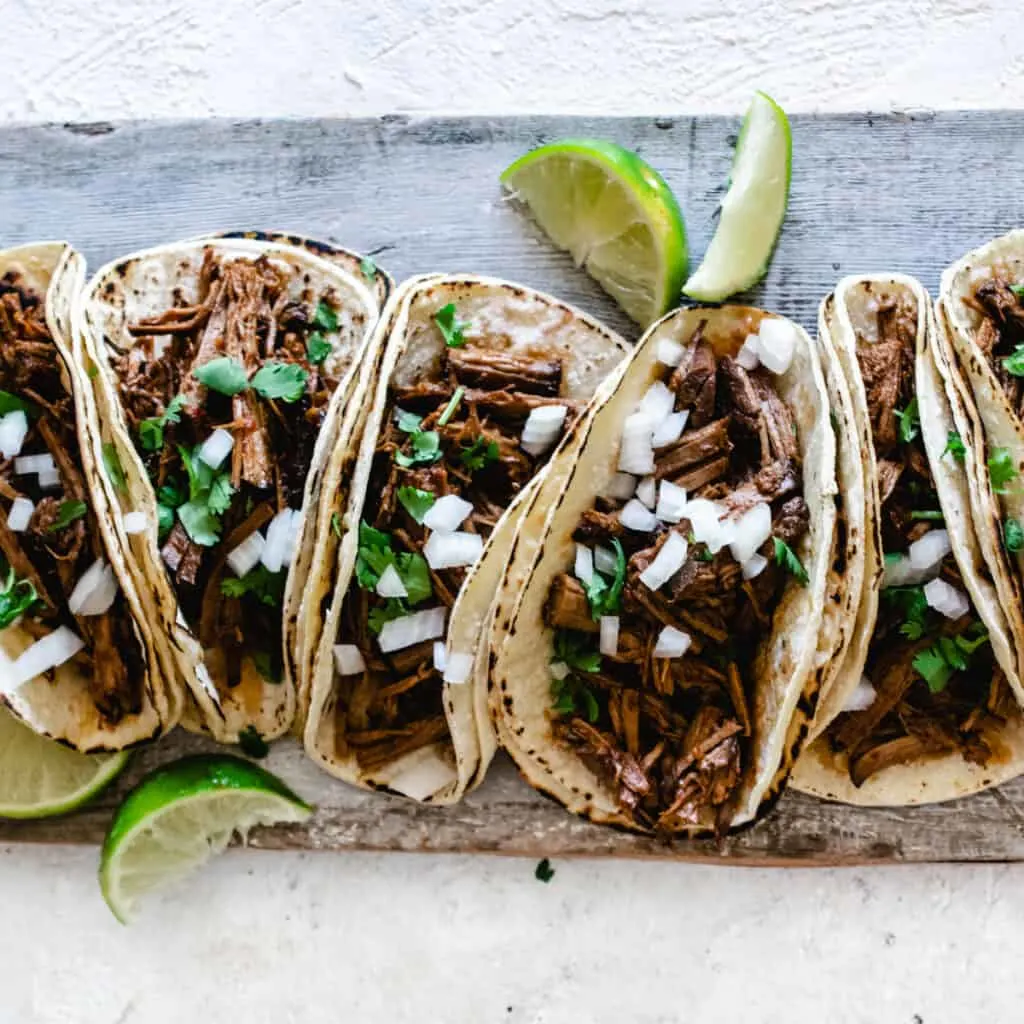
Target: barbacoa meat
column 1002, row 331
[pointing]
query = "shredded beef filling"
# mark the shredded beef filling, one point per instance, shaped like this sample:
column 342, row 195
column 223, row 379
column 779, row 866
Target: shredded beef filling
column 1001, row 333
column 244, row 319
column 457, row 434
column 55, row 550
column 932, row 697
column 673, row 735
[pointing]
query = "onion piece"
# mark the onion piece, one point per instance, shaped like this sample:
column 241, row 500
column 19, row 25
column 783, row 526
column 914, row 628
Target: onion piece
column 276, row 548
column 670, row 352
column 135, row 523
column 636, row 454
column 390, row 584
column 776, row 344
column 543, row 428
column 458, row 667
column 749, row 355
column 49, row 480
column 28, row 464
column 671, row 643
column 671, row 502
column 670, row 429
column 559, row 669
column 647, row 491
column 413, row 629
column 750, row 531
column 606, row 561
column 754, row 566
column 216, row 448
column 440, row 655
column 13, row 431
column 447, row 514
column 862, row 696
column 947, row 599
column 452, row 550
column 707, row 524
column 20, row 515
column 658, row 402
column 95, row 592
column 609, row 645
column 584, row 565
column 928, row 551
column 667, row 562
column 51, row 652
column 635, row 516
column 900, row 573
column 247, row 555
column 621, row 487
column 348, row 660
column 291, row 545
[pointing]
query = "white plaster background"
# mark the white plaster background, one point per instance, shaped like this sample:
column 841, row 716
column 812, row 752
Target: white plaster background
column 275, row 938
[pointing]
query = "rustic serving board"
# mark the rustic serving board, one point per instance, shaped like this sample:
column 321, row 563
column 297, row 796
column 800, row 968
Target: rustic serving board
column 907, row 192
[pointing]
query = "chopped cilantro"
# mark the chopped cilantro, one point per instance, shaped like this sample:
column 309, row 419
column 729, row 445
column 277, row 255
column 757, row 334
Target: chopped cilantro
column 426, row 449
column 1018, row 290
column 368, row 268
column 937, row 664
column 574, row 649
column 955, row 446
column 544, row 872
column 210, row 494
column 202, row 526
column 393, row 608
column 151, row 431
column 911, row 603
column 325, row 318
column 286, row 381
column 910, row 421
column 16, row 597
column 68, row 512
column 1014, row 363
column 112, row 464
column 606, row 597
column 786, row 557
column 12, row 403
column 93, row 372
column 408, row 422
column 266, row 586
column 269, row 666
column 449, row 409
column 336, row 525
column 375, row 554
column 318, row 348
column 571, row 694
column 1001, row 469
column 479, row 454
column 451, row 328
column 931, row 513
column 1013, row 535
column 224, row 375
column 933, row 668
column 416, row 502
column 252, row 743
column 169, row 498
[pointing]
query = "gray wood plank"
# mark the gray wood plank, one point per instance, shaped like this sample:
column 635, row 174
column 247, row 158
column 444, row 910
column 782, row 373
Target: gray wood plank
column 870, row 192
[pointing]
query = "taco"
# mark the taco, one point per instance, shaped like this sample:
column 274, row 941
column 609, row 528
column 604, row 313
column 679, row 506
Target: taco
column 658, row 669
column 924, row 708
column 77, row 662
column 223, row 369
column 478, row 382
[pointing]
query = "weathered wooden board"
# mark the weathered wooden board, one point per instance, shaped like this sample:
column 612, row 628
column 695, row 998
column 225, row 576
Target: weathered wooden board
column 870, row 192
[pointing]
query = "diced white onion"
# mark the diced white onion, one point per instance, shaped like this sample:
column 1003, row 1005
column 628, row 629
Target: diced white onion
column 20, row 515
column 13, row 431
column 440, row 655
column 609, row 645
column 671, row 643
column 559, row 669
column 707, row 524
column 348, row 660
column 447, row 514
column 658, row 401
column 247, row 555
column 928, row 551
column 647, row 491
column 49, row 480
column 670, row 429
column 947, row 599
column 671, row 502
column 900, row 573
column 390, row 584
column 862, row 696
column 276, row 548
column 410, row 630
column 95, row 591
column 749, row 354
column 51, row 652
column 458, row 667
column 584, row 567
column 291, row 544
column 636, row 516
column 637, row 454
column 670, row 352
column 776, row 344
column 754, row 566
column 135, row 522
column 27, row 464
column 750, row 531
column 605, row 560
column 451, row 550
column 621, row 487
column 216, row 448
column 543, row 428
column 667, row 562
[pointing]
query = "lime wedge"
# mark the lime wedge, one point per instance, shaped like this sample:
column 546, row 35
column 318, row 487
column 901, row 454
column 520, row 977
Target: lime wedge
column 753, row 209
column 182, row 814
column 614, row 214
column 40, row 778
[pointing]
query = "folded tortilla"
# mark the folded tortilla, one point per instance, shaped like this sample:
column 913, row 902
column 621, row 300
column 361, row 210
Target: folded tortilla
column 708, row 609
column 923, row 706
column 477, row 382
column 68, row 605
column 223, row 369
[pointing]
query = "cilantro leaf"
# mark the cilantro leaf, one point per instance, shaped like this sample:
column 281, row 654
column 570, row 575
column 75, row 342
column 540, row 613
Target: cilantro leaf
column 933, row 669
column 325, row 318
column 479, row 454
column 1014, row 363
column 1001, row 469
column 910, row 421
column 336, row 525
column 416, row 502
column 151, row 431
column 112, row 464
column 408, row 422
column 606, row 597
column 202, row 526
column 286, row 381
column 1013, row 535
column 544, row 872
column 16, row 597
column 451, row 328
column 927, row 514
column 574, row 649
column 12, row 403
column 165, row 520
column 221, row 493
column 373, row 557
column 426, row 449
column 252, row 743
column 937, row 664
column 1018, row 290
column 225, row 375
column 911, row 603
column 265, row 586
column 786, row 557
column 453, row 404
column 368, row 268
column 210, row 493
column 955, row 446
column 68, row 512
column 318, row 348
column 393, row 608
column 415, row 575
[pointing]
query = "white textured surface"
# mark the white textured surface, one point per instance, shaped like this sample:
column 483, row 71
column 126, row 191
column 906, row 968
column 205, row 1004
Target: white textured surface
column 289, row 938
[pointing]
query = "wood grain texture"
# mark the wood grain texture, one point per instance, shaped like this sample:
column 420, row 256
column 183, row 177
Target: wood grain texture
column 869, row 193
